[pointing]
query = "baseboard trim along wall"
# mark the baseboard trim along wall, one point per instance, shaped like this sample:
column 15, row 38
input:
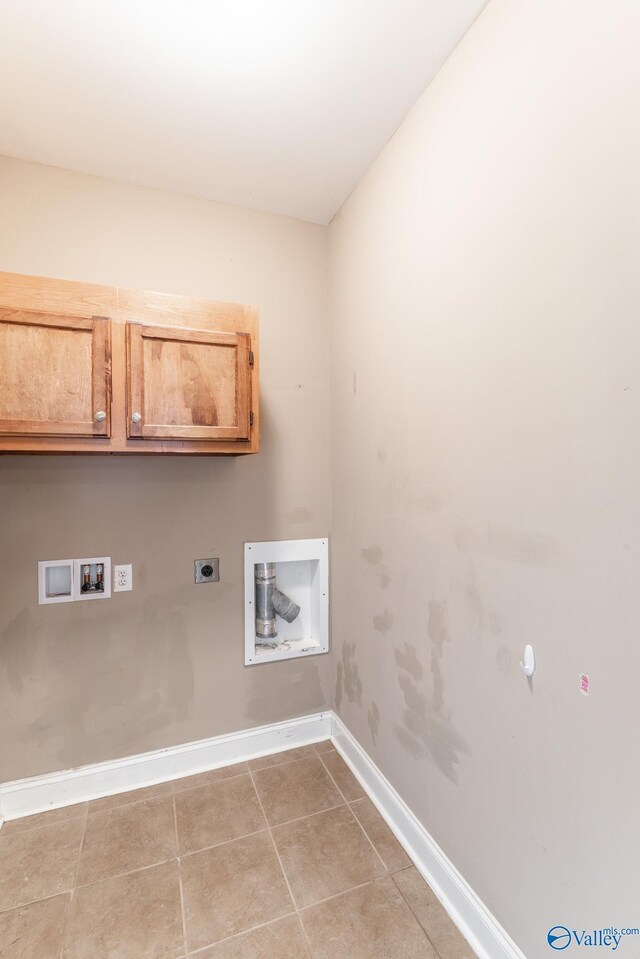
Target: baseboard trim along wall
column 26, row 797
column 481, row 929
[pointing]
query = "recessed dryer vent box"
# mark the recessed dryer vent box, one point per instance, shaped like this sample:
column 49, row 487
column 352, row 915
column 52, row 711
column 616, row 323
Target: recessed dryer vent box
column 283, row 576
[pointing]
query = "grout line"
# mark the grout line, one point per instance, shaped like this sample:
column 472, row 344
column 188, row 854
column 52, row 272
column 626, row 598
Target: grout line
column 213, row 782
column 182, row 912
column 305, row 936
column 31, row 902
column 41, row 825
column 129, row 872
column 345, row 892
column 319, row 812
column 112, row 809
column 282, row 869
column 237, row 935
column 328, row 771
column 415, row 915
column 225, row 842
column 364, row 831
column 286, row 762
column 373, row 845
column 67, row 920
column 75, row 882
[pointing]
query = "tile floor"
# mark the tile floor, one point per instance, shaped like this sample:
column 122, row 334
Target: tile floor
column 279, row 858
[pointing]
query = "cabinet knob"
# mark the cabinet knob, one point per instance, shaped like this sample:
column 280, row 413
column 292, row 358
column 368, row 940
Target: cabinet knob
column 136, row 417
column 101, row 415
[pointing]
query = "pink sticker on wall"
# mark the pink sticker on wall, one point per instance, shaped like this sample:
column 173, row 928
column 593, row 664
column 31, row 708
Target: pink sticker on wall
column 584, row 684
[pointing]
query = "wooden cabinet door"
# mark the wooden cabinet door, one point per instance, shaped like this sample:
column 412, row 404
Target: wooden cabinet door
column 188, row 384
column 55, row 374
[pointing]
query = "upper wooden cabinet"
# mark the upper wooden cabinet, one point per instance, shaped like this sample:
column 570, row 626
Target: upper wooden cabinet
column 86, row 368
column 55, row 374
column 185, row 384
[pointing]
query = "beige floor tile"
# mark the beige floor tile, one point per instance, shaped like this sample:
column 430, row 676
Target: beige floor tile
column 282, row 939
column 276, row 759
column 34, row 931
column 372, row 922
column 432, row 916
column 325, row 854
column 343, row 777
column 295, row 789
column 211, row 776
column 388, row 848
column 39, row 862
column 326, row 746
column 128, row 838
column 218, row 812
column 134, row 795
column 232, row 888
column 130, row 917
column 43, row 819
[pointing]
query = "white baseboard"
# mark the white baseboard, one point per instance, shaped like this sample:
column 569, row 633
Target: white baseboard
column 25, row 797
column 41, row 793
column 481, row 929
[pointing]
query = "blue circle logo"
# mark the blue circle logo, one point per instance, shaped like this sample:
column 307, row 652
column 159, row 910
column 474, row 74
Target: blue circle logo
column 559, row 937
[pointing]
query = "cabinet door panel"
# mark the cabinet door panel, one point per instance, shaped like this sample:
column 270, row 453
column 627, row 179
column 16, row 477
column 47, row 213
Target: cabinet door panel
column 188, row 384
column 55, row 374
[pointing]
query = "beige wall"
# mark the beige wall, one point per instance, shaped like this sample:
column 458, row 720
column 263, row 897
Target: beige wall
column 484, row 291
column 164, row 664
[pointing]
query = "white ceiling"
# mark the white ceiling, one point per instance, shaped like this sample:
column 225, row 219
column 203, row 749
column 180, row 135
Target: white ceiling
column 279, row 105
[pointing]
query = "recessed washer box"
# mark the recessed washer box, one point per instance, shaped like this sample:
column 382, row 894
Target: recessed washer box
column 92, row 578
column 302, row 573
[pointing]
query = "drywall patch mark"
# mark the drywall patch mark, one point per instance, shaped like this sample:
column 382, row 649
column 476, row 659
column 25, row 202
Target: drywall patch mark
column 426, row 728
column 382, row 454
column 421, row 502
column 438, row 630
column 461, row 539
column 410, row 744
column 585, row 684
column 99, row 699
column 17, row 657
column 487, row 618
column 505, row 661
column 372, row 555
column 509, row 545
column 373, row 721
column 299, row 515
column 517, row 546
column 383, row 622
column 407, row 659
column 348, row 682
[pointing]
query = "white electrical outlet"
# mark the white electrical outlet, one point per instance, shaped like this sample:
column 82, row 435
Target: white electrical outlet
column 122, row 578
